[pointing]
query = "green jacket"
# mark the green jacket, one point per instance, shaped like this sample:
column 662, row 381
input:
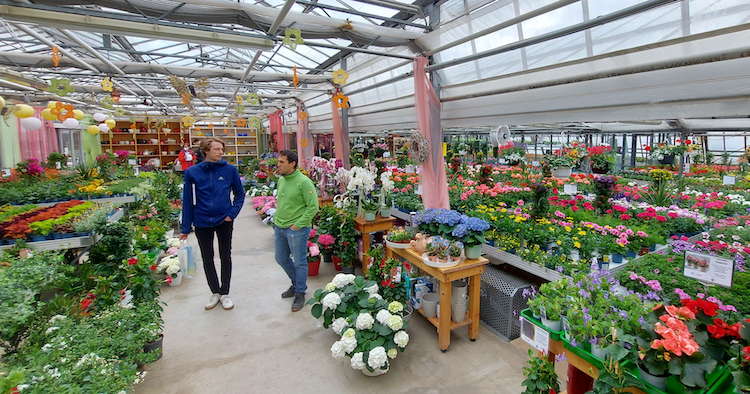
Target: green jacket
column 296, row 201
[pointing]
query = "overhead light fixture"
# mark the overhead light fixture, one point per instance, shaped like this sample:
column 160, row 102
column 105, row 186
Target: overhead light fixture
column 78, row 19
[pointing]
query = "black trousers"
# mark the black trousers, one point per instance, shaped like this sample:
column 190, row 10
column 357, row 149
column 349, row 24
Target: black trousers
column 206, row 243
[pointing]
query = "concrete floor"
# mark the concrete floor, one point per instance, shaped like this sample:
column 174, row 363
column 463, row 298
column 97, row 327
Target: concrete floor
column 262, row 347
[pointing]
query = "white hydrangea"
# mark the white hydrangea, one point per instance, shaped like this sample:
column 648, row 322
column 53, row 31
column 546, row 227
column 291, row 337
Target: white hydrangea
column 376, row 296
column 357, row 362
column 364, row 321
column 383, row 316
column 170, row 265
column 395, row 307
column 392, row 353
column 51, row 330
column 330, row 301
column 372, row 289
column 395, row 323
column 173, row 242
column 343, row 280
column 385, row 180
column 338, row 325
column 330, row 287
column 401, row 338
column 337, row 350
column 350, row 333
column 378, row 358
column 348, row 344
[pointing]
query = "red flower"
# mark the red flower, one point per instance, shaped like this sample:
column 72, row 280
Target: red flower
column 688, row 142
column 746, row 353
column 734, row 330
column 647, row 148
column 168, row 280
column 85, row 304
column 708, row 307
column 718, row 329
column 575, row 208
column 625, row 216
column 153, row 267
column 132, row 261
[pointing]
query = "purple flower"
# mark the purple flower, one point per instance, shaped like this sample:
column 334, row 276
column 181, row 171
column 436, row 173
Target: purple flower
column 592, row 341
column 561, row 357
column 641, row 321
column 624, row 314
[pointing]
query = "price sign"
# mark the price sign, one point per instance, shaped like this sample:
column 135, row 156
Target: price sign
column 570, row 188
column 709, row 269
column 729, row 180
column 535, row 336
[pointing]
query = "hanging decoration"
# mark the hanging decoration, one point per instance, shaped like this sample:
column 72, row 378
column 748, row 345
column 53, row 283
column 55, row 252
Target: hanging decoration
column 103, row 127
column 254, row 122
column 110, row 123
column 252, row 98
column 108, row 103
column 241, row 122
column 116, row 95
column 77, row 114
column 47, row 114
column 303, row 115
column 295, row 78
column 182, row 89
column 188, row 121
column 211, row 126
column 120, row 111
column 186, row 99
column 292, row 38
column 22, row 110
column 71, row 123
column 304, row 142
column 93, row 129
column 107, row 84
column 51, row 104
column 340, row 76
column 99, row 117
column 55, row 56
column 63, row 111
column 31, row 123
column 240, row 109
column 2, row 102
column 419, row 147
column 60, row 87
column 340, row 100
column 201, row 87
column 239, row 99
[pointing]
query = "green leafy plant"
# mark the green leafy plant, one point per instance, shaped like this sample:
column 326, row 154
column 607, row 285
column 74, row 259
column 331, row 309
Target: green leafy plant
column 346, row 241
column 540, row 375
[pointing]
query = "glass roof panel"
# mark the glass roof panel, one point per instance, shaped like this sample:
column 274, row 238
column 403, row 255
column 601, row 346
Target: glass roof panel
column 550, row 21
column 707, row 15
column 645, row 28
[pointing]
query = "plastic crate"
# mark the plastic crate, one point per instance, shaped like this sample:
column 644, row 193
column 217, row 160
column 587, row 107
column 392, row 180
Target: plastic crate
column 555, row 335
column 501, row 301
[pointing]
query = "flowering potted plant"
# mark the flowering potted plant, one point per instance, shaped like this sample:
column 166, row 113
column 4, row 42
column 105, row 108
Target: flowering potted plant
column 740, row 363
column 372, row 329
column 602, row 159
column 561, row 165
column 664, row 153
column 326, row 241
column 170, row 265
column 387, row 272
column 313, row 254
column 470, row 230
column 399, row 237
column 513, row 152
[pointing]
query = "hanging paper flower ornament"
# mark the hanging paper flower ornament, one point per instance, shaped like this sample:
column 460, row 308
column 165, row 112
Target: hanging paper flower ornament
column 340, row 76
column 340, row 100
column 119, row 111
column 252, row 98
column 292, row 38
column 240, row 100
column 108, row 103
column 210, row 126
column 188, row 121
column 254, row 122
column 295, row 79
column 116, row 95
column 240, row 109
column 241, row 122
column 303, row 142
column 61, row 87
column 63, row 111
column 303, row 115
column 107, row 84
column 55, row 56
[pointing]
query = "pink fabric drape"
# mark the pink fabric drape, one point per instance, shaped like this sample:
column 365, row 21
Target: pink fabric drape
column 276, row 129
column 433, row 177
column 37, row 144
column 305, row 143
column 340, row 137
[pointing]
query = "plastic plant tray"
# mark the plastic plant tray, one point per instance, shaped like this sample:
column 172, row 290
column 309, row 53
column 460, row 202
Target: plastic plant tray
column 555, row 335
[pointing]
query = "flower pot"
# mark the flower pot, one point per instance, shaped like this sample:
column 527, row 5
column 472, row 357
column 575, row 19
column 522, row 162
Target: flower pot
column 177, row 279
column 376, row 372
column 667, row 160
column 369, row 216
column 458, row 312
column 660, row 382
column 155, row 347
column 704, row 269
column 313, row 267
column 327, row 257
column 336, row 263
column 408, row 312
column 644, row 251
column 562, row 172
column 599, row 170
column 552, row 325
column 598, row 351
column 473, row 252
column 37, row 238
column 347, row 270
column 385, row 212
column 617, row 258
column 630, row 254
column 429, row 304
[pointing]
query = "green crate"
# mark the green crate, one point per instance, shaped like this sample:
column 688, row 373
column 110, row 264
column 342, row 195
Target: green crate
column 718, row 377
column 554, row 335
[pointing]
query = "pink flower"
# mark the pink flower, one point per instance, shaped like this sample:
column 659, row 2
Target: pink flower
column 520, row 202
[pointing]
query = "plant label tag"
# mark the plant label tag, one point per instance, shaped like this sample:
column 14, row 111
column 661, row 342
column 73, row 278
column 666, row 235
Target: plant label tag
column 501, row 161
column 396, row 274
column 728, row 180
column 132, row 162
column 57, row 165
column 410, row 169
column 570, row 188
column 543, row 312
column 535, row 163
column 534, row 336
column 686, row 170
column 419, row 190
column 565, row 324
column 6, row 172
column 136, row 170
column 386, row 154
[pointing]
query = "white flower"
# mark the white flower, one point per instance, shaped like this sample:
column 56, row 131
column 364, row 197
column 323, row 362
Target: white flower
column 383, row 316
column 330, row 301
column 395, row 323
column 357, row 362
column 385, row 180
column 392, row 353
column 169, row 264
column 349, row 344
column 22, row 387
column 343, row 280
column 330, row 287
column 338, row 325
column 56, row 318
column 376, row 296
column 47, row 347
column 401, row 338
column 372, row 289
column 337, row 350
column 364, row 321
column 350, row 333
column 51, row 330
column 395, row 307
column 377, row 358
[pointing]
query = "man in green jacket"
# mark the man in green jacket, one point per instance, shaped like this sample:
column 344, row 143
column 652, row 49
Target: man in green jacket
column 296, row 205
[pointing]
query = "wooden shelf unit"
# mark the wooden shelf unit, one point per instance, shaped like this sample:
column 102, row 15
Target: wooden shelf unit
column 241, row 142
column 159, row 144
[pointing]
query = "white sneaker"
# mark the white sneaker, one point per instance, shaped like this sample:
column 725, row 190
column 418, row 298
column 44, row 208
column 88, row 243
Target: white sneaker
column 226, row 302
column 213, row 301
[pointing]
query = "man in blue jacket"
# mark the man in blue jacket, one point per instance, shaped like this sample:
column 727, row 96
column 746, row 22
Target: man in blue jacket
column 207, row 205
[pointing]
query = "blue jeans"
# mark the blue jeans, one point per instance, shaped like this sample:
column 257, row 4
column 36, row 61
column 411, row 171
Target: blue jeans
column 291, row 254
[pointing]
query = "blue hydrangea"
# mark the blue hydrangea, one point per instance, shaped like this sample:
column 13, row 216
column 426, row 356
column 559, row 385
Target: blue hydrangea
column 460, row 231
column 475, row 224
column 448, row 217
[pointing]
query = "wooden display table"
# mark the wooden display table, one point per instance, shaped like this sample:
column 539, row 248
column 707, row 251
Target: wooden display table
column 471, row 269
column 325, row 201
column 363, row 226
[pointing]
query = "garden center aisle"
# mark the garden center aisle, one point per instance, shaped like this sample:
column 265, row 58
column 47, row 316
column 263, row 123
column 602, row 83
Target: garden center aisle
column 262, row 347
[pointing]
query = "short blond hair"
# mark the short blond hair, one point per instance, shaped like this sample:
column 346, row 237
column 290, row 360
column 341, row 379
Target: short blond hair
column 206, row 143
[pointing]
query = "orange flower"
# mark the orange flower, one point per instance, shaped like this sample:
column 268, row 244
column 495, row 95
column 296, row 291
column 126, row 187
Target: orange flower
column 679, row 313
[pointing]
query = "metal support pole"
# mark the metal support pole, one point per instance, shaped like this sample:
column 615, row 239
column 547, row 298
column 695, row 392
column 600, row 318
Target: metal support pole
column 624, row 152
column 632, row 151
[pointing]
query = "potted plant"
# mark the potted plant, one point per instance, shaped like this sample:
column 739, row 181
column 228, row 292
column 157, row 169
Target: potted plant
column 346, row 243
column 602, row 159
column 540, row 374
column 561, row 165
column 170, row 266
column 387, row 272
column 326, row 241
column 371, row 206
column 513, row 152
column 372, row 329
column 470, row 231
column 313, row 254
column 399, row 237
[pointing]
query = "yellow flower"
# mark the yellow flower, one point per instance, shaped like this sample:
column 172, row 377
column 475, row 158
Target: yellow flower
column 559, row 242
column 567, row 228
column 581, row 232
column 577, row 244
column 503, row 210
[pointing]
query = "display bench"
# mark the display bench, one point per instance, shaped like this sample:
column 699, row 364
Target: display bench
column 145, row 141
column 241, row 142
column 102, row 200
column 471, row 269
column 363, row 226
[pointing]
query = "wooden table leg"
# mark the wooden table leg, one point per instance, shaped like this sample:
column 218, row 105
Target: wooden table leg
column 365, row 248
column 474, row 284
column 444, row 323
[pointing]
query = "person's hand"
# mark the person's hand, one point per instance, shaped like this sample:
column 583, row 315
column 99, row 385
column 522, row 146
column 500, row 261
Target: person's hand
column 227, row 219
column 183, row 237
column 294, row 228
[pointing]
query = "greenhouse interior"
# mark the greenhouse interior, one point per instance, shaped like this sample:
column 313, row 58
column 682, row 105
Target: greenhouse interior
column 495, row 196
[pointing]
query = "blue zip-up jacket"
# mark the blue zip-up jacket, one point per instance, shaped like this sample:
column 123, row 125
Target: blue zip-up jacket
column 213, row 182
